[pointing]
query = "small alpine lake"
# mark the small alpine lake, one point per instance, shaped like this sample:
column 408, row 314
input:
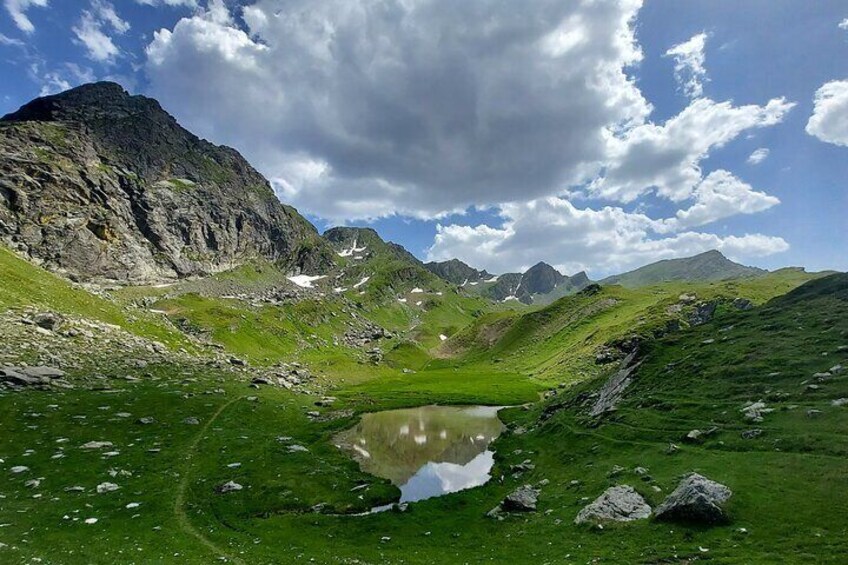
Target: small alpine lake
column 426, row 451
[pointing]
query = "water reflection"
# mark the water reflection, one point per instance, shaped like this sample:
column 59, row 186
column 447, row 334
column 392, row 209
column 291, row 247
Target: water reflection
column 427, row 451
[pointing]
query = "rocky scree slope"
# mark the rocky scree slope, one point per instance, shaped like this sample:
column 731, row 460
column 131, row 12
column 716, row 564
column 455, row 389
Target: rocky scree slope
column 101, row 185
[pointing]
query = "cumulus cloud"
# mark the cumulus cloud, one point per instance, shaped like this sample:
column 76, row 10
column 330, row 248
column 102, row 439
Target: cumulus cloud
column 667, row 157
column 758, row 156
column 91, row 31
column 844, row 24
column 829, row 121
column 689, row 70
column 447, row 104
column 720, row 195
column 358, row 109
column 598, row 241
column 18, row 8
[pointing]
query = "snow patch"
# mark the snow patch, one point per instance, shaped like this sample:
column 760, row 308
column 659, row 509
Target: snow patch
column 416, row 290
column 508, row 298
column 339, row 289
column 352, row 251
column 402, row 300
column 305, row 281
column 362, row 282
column 493, row 279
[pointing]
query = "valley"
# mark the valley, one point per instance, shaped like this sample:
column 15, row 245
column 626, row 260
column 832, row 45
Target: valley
column 184, row 381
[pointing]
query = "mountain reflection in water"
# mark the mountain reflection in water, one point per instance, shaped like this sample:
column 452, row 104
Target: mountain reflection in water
column 427, row 451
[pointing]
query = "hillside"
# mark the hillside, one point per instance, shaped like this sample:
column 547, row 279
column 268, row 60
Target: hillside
column 708, row 266
column 101, row 185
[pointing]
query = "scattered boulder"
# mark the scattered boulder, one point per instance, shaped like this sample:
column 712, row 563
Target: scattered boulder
column 703, row 313
column 620, row 503
column 191, row 421
column 742, row 304
column 752, row 434
column 18, row 469
column 103, row 488
column 96, row 445
column 48, row 321
column 229, row 486
column 696, row 499
column 146, row 421
column 522, row 499
column 840, row 402
column 755, row 411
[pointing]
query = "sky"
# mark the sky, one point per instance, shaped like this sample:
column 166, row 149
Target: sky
column 595, row 135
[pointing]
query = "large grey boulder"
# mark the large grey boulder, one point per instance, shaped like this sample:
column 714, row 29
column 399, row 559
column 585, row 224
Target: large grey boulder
column 522, row 499
column 696, row 499
column 620, row 503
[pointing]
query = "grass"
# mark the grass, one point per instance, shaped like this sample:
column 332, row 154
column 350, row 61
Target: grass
column 784, row 481
column 25, row 285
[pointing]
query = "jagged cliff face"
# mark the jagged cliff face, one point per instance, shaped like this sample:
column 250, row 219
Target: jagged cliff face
column 101, row 185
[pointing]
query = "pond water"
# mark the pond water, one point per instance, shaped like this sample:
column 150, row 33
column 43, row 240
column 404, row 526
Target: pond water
column 427, row 451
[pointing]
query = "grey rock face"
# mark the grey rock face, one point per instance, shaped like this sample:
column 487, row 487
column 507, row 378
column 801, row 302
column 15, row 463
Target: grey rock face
column 696, row 499
column 611, row 393
column 522, row 499
column 101, row 185
column 703, row 313
column 617, row 504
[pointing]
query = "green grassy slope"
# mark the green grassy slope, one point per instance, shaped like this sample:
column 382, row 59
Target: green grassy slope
column 25, row 285
column 558, row 343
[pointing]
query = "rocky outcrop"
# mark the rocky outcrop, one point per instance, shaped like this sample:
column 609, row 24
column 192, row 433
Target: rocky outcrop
column 612, row 391
column 696, row 499
column 617, row 504
column 100, row 185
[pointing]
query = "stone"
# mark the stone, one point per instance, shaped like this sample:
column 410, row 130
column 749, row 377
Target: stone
column 840, row 402
column 755, row 411
column 813, row 413
column 18, row 469
column 703, row 313
column 752, row 434
column 696, row 499
column 522, row 499
column 742, row 304
column 104, row 488
column 146, row 421
column 43, row 372
column 229, row 486
column 191, row 421
column 694, row 436
column 297, row 449
column 96, row 445
column 620, row 503
column 48, row 321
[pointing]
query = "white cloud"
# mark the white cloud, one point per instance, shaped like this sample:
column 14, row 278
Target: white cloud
column 844, row 24
column 421, row 97
column 667, row 157
column 689, row 70
column 829, row 121
column 758, row 156
column 186, row 3
column 90, row 31
column 721, row 195
column 598, row 241
column 18, row 8
column 10, row 41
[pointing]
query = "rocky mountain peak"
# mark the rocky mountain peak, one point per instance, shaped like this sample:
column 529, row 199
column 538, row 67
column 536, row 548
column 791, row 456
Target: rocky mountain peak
column 102, row 185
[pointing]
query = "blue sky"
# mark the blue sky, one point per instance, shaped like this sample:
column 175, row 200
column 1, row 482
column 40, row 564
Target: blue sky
column 597, row 136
